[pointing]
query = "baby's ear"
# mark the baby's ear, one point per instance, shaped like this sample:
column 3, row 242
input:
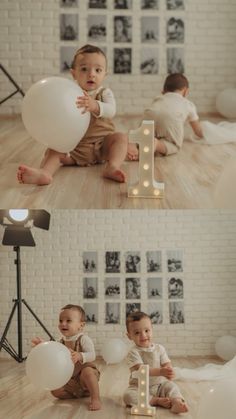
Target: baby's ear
column 128, row 335
column 72, row 72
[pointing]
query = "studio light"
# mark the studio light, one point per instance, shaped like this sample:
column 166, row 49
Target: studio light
column 18, row 224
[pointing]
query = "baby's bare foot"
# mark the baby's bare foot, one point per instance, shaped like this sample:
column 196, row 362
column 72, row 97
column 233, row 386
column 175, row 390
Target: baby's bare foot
column 132, row 152
column 115, row 174
column 178, row 406
column 161, row 401
column 95, row 404
column 33, row 176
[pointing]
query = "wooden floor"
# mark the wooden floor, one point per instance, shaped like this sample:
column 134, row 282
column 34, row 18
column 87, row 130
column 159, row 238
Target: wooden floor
column 19, row 399
column 189, row 176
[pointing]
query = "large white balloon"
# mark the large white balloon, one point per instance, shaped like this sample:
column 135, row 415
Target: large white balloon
column 51, row 116
column 114, row 351
column 219, row 402
column 226, row 103
column 225, row 347
column 49, row 365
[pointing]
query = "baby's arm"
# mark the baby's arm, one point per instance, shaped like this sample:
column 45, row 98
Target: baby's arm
column 197, row 129
column 105, row 108
column 88, row 352
column 35, row 341
column 166, row 370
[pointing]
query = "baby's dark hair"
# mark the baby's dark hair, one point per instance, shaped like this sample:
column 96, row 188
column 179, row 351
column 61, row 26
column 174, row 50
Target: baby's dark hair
column 75, row 307
column 135, row 317
column 175, row 81
column 87, row 49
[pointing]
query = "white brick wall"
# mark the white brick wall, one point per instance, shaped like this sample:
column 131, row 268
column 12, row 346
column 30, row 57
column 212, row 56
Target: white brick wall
column 52, row 272
column 30, row 49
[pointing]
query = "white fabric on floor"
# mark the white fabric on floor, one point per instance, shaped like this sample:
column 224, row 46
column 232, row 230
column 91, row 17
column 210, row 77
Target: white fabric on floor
column 207, row 372
column 222, row 133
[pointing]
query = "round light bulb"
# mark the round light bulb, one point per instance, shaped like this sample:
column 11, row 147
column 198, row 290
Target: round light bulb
column 146, row 166
column 135, row 191
column 146, row 131
column 19, row 214
column 156, row 192
column 146, row 149
column 142, row 382
column 142, row 405
column 142, row 393
column 146, row 183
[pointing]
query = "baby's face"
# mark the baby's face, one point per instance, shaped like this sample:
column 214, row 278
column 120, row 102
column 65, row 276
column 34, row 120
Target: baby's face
column 90, row 70
column 70, row 322
column 140, row 332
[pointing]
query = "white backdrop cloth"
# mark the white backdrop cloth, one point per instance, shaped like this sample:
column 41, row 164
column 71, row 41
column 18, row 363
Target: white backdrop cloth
column 221, row 133
column 207, row 372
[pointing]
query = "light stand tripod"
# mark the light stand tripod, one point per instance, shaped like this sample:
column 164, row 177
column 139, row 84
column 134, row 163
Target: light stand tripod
column 18, row 304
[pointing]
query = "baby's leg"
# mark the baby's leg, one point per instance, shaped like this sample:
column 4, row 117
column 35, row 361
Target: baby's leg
column 178, row 405
column 61, row 393
column 133, row 149
column 161, row 401
column 114, row 152
column 89, row 380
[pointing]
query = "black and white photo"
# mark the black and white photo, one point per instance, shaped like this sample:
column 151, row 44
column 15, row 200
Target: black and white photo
column 112, row 313
column 175, row 288
column 97, row 4
column 68, row 27
column 68, row 3
column 149, row 4
column 90, row 262
column 112, row 287
column 175, row 4
column 150, row 29
column 90, row 287
column 122, row 28
column 154, row 261
column 174, row 260
column 112, row 260
column 66, row 58
column 149, row 63
column 176, row 312
column 133, row 288
column 175, row 31
column 91, row 312
column 155, row 311
column 132, row 261
column 132, row 307
column 96, row 28
column 175, row 60
column 122, row 60
column 122, row 4
column 154, row 288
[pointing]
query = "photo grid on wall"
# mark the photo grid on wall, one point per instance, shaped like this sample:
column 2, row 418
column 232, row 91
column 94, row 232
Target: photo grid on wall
column 112, row 26
column 133, row 281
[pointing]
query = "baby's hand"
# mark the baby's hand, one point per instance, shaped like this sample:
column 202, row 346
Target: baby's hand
column 167, row 372
column 88, row 103
column 76, row 356
column 35, row 341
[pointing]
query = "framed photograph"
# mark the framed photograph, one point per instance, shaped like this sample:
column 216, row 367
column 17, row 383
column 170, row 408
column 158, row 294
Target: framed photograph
column 122, row 4
column 97, row 28
column 154, row 288
column 68, row 27
column 150, row 29
column 175, row 288
column 112, row 287
column 149, row 61
column 122, row 60
column 90, row 287
column 154, row 261
column 175, row 31
column 90, row 262
column 122, row 28
column 155, row 311
column 176, row 311
column 132, row 307
column 175, row 4
column 68, row 3
column 66, row 58
column 174, row 260
column 133, row 288
column 91, row 312
column 132, row 261
column 97, row 4
column 112, row 313
column 112, row 260
column 175, row 60
column 149, row 4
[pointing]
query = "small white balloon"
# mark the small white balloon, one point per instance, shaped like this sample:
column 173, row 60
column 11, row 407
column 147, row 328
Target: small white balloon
column 226, row 103
column 50, row 114
column 49, row 365
column 225, row 347
column 114, row 351
column 219, row 402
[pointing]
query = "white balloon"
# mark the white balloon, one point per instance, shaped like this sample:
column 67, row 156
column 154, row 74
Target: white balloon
column 225, row 347
column 50, row 114
column 49, row 365
column 219, row 402
column 226, row 103
column 114, row 351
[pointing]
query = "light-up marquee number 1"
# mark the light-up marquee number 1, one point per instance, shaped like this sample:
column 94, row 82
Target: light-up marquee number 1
column 143, row 407
column 146, row 187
